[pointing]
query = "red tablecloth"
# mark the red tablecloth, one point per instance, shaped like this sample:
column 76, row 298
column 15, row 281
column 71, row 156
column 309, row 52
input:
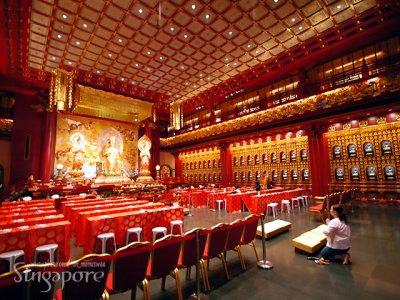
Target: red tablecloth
column 37, row 202
column 199, row 198
column 73, row 215
column 28, row 208
column 67, row 209
column 31, row 221
column 27, row 238
column 83, row 217
column 23, row 215
column 119, row 223
column 234, row 202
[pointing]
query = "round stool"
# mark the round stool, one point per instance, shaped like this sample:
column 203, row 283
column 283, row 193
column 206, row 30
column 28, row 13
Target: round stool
column 305, row 200
column 11, row 257
column 49, row 248
column 158, row 230
column 287, row 204
column 219, row 203
column 133, row 230
column 296, row 199
column 272, row 206
column 178, row 223
column 104, row 237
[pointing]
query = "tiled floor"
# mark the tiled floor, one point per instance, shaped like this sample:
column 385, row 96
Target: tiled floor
column 374, row 273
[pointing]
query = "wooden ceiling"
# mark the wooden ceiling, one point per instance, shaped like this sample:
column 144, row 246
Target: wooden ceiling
column 173, row 50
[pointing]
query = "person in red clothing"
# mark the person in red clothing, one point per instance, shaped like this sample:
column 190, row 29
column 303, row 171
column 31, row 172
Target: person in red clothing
column 338, row 238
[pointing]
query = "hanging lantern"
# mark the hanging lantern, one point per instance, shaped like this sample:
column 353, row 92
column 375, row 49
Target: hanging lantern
column 61, row 91
column 176, row 116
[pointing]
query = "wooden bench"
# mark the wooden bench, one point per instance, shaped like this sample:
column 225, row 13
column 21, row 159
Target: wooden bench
column 273, row 228
column 310, row 241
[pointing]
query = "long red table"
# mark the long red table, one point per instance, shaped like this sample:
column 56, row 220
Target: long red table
column 119, row 224
column 27, row 238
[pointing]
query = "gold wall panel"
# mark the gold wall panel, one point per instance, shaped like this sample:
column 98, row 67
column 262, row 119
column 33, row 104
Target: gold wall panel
column 370, row 137
column 98, row 103
column 254, row 159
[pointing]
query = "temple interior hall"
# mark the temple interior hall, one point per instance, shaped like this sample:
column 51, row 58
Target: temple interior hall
column 199, row 149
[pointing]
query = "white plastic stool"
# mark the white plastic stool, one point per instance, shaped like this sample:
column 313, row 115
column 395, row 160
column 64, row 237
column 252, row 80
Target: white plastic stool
column 11, row 257
column 48, row 248
column 158, row 230
column 296, row 199
column 305, row 200
column 287, row 203
column 178, row 223
column 104, row 237
column 134, row 230
column 219, row 203
column 272, row 206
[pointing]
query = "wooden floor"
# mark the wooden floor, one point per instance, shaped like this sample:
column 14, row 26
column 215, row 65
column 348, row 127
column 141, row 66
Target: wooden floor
column 374, row 273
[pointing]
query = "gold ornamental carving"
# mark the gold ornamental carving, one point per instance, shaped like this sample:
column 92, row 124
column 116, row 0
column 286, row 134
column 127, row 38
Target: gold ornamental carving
column 98, row 103
column 352, row 93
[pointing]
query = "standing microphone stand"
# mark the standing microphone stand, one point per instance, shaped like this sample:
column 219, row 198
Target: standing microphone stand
column 198, row 294
column 264, row 263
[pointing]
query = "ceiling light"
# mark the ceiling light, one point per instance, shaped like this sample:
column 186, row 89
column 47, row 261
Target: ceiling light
column 59, row 36
column 109, row 54
column 172, row 28
column 182, row 67
column 293, row 19
column 119, row 40
column 185, row 36
column 234, row 64
column 177, row 96
column 140, row 10
column 148, row 52
column 85, row 25
column 133, row 82
column 257, row 51
column 339, row 6
column 53, row 58
column 123, row 79
column 70, row 63
column 98, row 72
column 207, row 16
column 64, row 16
column 193, row 6
column 201, row 75
column 78, row 43
column 209, row 78
column 187, row 83
column 161, row 58
column 136, row 65
column 226, row 59
column 148, row 69
column 230, row 32
column 248, row 46
column 276, row 1
column 300, row 27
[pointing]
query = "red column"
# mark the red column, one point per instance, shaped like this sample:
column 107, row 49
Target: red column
column 319, row 161
column 226, row 164
column 178, row 167
column 47, row 153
